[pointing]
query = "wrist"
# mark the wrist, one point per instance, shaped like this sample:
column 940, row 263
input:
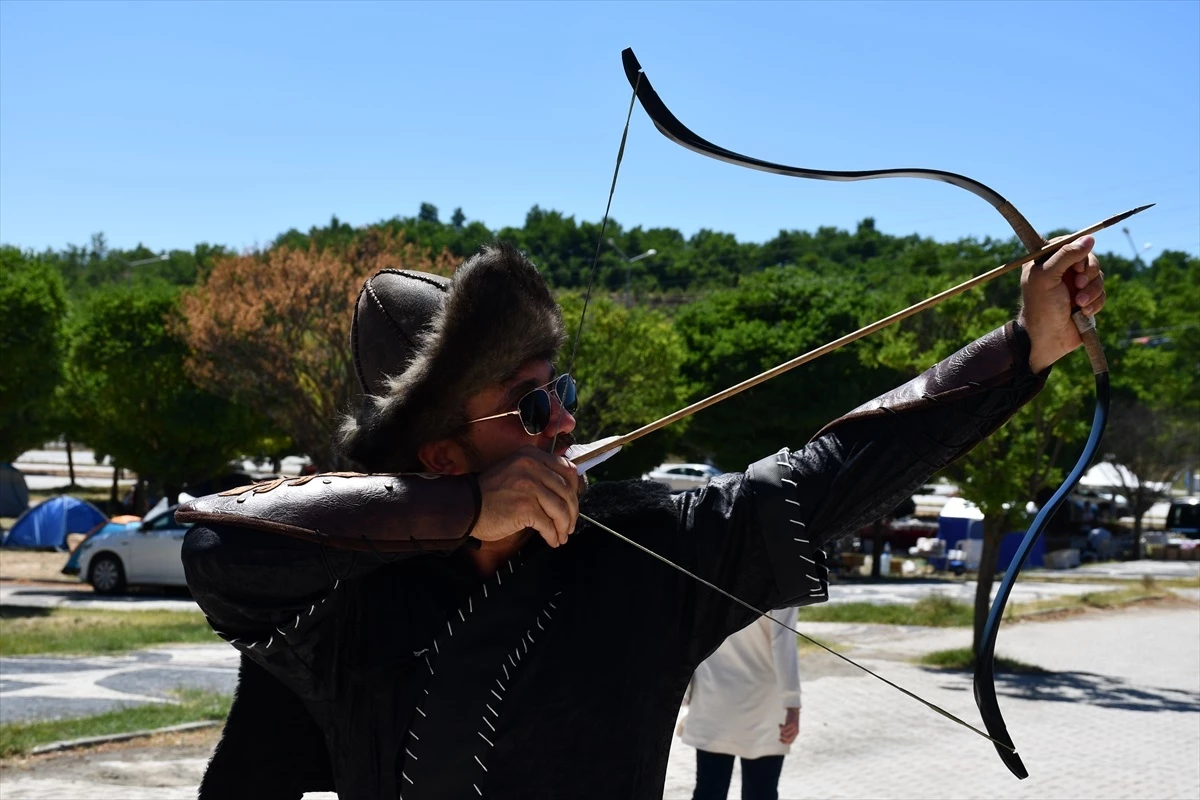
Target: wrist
column 1033, row 348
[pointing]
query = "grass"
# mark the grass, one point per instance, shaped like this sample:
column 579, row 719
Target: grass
column 1116, row 598
column 17, row 738
column 942, row 612
column 1148, row 581
column 28, row 631
column 934, row 611
column 963, row 658
column 817, row 645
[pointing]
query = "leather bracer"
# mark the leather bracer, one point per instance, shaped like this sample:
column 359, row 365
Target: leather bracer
column 404, row 513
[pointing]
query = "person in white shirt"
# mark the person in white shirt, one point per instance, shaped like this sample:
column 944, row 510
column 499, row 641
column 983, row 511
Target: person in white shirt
column 745, row 703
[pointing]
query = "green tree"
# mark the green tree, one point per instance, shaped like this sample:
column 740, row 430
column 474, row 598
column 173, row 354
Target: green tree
column 1011, row 466
column 628, row 368
column 126, row 379
column 33, row 308
column 772, row 317
column 428, row 213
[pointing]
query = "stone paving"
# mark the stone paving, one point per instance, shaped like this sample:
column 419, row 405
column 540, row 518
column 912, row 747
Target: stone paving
column 66, row 594
column 1119, row 718
column 46, row 687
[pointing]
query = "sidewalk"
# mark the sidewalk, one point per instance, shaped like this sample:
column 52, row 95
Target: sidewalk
column 1118, row 719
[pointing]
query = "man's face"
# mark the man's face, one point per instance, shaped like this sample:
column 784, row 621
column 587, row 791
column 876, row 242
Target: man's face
column 496, row 439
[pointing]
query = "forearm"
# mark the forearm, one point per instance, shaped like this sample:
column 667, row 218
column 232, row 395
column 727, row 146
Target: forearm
column 884, row 450
column 862, row 465
column 368, row 513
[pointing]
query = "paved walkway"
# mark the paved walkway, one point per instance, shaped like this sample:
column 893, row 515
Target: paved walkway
column 54, row 688
column 1119, row 718
column 68, row 594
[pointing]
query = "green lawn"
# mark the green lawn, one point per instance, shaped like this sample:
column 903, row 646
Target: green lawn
column 936, row 612
column 963, row 658
column 942, row 612
column 194, row 705
column 28, row 631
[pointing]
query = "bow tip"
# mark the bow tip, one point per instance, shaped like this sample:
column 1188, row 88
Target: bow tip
column 630, row 61
column 1013, row 761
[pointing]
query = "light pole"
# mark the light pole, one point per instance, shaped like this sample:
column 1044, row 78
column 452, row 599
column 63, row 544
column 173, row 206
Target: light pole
column 628, row 262
column 141, row 262
column 1136, row 255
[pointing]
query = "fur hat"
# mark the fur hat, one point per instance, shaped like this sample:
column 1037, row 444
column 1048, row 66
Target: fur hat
column 423, row 345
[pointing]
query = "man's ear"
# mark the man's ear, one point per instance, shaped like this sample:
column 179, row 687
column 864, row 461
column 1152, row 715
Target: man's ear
column 445, row 457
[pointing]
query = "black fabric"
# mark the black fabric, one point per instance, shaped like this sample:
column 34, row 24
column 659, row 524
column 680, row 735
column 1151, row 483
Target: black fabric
column 271, row 749
column 760, row 776
column 591, row 711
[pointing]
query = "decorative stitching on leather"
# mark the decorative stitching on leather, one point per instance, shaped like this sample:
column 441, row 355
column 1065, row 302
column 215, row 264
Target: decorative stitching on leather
column 286, row 632
column 514, row 658
column 822, row 590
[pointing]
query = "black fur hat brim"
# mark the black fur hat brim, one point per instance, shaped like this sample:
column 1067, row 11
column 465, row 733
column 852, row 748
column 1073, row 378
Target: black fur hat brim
column 497, row 317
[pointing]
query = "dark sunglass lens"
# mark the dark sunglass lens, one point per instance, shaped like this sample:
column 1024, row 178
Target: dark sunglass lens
column 535, row 411
column 565, row 389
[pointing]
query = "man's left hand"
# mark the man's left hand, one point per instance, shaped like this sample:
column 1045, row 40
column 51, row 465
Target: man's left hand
column 1071, row 276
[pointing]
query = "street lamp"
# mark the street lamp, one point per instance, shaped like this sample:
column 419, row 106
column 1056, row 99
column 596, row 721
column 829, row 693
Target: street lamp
column 141, row 262
column 628, row 262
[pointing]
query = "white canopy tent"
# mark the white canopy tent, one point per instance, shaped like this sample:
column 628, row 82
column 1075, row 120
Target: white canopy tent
column 1116, row 476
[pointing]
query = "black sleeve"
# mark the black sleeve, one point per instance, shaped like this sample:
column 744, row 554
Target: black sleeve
column 270, row 749
column 760, row 534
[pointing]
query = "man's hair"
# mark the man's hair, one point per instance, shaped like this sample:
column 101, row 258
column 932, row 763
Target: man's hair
column 496, row 315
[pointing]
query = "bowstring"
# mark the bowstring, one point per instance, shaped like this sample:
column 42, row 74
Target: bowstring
column 612, row 189
column 805, row 637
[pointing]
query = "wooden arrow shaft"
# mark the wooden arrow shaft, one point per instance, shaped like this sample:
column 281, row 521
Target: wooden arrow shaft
column 824, row 349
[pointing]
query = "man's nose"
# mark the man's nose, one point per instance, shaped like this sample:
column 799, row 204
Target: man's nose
column 563, row 420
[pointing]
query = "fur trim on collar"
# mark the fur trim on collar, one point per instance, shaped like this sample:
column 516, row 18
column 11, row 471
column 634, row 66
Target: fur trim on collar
column 497, row 317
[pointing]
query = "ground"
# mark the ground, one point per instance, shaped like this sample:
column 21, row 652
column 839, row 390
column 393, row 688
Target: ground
column 1118, row 718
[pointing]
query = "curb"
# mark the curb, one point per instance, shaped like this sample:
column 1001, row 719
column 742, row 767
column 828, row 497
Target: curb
column 88, row 741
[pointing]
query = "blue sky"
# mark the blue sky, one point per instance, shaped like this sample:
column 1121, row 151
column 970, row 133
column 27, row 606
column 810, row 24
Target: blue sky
column 175, row 123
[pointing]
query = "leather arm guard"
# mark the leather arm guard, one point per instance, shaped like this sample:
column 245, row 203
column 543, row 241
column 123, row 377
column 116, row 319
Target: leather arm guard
column 405, row 513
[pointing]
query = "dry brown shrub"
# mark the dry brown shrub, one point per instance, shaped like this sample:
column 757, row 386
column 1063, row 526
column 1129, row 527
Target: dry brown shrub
column 271, row 330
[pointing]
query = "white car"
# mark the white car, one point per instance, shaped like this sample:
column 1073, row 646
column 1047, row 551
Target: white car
column 682, row 477
column 145, row 554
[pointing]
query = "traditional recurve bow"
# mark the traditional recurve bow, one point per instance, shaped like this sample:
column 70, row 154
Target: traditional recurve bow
column 1038, row 250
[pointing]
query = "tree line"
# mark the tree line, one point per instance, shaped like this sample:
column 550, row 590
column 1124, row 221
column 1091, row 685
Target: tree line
column 173, row 363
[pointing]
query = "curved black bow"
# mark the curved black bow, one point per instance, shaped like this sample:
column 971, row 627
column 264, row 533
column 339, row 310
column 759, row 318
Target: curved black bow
column 985, row 689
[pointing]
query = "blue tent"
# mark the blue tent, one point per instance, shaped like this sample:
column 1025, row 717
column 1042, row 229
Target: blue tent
column 47, row 524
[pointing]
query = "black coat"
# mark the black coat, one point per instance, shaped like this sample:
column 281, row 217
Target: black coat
column 560, row 676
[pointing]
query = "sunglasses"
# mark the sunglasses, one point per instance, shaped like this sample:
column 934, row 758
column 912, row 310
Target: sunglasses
column 536, row 407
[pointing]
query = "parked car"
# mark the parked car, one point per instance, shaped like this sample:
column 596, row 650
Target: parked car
column 682, row 477
column 1183, row 517
column 118, row 524
column 146, row 553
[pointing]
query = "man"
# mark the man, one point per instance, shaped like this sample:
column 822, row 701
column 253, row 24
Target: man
column 447, row 628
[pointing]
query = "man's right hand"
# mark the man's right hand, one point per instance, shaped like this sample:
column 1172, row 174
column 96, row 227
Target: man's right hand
column 529, row 489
